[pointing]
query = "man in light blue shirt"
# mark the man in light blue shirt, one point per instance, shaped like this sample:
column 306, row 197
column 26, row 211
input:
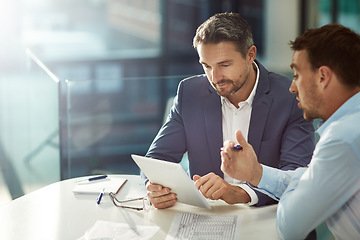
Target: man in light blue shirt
column 327, row 84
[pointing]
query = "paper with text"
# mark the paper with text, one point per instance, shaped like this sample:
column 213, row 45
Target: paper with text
column 194, row 226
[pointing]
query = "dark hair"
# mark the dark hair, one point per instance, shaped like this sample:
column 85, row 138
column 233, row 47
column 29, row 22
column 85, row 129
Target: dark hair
column 334, row 46
column 225, row 27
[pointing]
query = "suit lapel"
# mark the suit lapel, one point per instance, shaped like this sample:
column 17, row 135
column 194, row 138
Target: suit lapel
column 258, row 120
column 213, row 125
column 260, row 110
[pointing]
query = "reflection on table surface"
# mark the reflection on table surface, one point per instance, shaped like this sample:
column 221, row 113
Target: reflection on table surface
column 55, row 212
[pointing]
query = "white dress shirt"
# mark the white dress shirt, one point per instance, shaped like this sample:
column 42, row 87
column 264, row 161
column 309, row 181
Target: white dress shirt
column 234, row 119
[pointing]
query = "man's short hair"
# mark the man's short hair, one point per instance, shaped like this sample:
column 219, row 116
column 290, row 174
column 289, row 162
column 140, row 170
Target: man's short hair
column 223, row 27
column 334, row 46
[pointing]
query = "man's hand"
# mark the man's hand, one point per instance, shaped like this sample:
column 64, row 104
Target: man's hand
column 241, row 164
column 214, row 187
column 159, row 196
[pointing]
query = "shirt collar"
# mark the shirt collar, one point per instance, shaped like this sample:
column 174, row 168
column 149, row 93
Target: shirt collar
column 250, row 99
column 348, row 107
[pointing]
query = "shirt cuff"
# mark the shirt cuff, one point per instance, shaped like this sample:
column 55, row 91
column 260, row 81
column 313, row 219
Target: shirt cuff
column 267, row 178
column 267, row 184
column 253, row 196
column 275, row 181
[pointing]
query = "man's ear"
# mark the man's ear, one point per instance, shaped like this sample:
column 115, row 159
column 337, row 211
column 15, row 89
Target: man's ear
column 252, row 53
column 325, row 76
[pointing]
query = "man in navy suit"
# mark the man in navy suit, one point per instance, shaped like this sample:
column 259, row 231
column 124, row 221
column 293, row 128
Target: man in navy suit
column 236, row 93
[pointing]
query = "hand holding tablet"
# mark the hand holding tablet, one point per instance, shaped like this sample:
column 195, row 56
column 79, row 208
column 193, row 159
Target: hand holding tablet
column 160, row 196
column 173, row 176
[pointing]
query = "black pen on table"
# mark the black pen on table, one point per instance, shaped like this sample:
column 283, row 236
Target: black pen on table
column 92, row 179
column 98, row 200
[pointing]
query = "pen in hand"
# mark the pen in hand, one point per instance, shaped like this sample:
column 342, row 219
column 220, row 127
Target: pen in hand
column 100, row 196
column 235, row 148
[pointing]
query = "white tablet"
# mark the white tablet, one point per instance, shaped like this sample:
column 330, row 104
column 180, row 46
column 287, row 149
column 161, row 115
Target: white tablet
column 173, row 176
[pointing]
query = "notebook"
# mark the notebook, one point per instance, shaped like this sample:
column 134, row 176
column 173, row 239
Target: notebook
column 110, row 184
column 173, row 176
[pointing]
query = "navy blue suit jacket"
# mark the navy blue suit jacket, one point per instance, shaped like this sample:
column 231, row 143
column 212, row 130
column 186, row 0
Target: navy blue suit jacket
column 278, row 132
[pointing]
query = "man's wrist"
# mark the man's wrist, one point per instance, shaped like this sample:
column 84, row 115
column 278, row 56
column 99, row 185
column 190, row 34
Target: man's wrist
column 257, row 175
column 251, row 197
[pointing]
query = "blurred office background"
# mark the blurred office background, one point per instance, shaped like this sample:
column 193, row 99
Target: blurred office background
column 85, row 83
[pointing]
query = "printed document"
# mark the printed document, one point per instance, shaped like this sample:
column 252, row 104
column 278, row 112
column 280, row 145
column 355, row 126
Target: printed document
column 194, row 226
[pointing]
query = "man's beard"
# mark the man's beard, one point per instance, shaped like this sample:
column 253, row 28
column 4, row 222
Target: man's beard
column 234, row 89
column 311, row 112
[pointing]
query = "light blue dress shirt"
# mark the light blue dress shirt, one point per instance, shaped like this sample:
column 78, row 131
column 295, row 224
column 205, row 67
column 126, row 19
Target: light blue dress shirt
column 329, row 189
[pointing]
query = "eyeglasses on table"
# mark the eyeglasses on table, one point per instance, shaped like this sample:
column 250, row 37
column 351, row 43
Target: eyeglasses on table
column 119, row 203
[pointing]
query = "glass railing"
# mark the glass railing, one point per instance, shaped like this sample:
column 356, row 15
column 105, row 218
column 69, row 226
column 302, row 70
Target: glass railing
column 53, row 129
column 104, row 121
column 29, row 123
